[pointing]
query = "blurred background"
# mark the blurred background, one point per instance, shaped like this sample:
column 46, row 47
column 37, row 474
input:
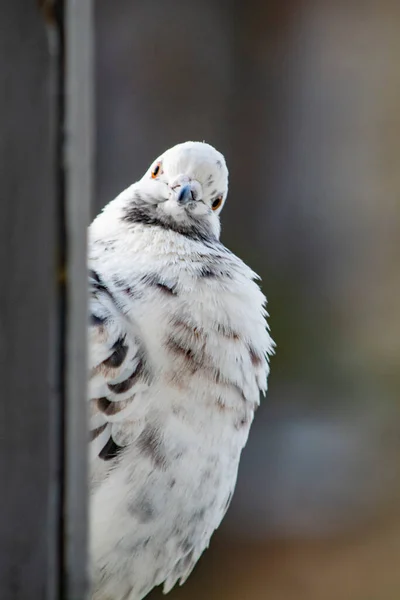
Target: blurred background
column 303, row 99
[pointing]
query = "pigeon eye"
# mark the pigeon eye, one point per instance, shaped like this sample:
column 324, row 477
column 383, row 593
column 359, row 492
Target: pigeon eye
column 156, row 170
column 217, row 203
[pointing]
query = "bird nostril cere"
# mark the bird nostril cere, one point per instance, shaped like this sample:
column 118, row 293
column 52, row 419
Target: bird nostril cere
column 185, row 194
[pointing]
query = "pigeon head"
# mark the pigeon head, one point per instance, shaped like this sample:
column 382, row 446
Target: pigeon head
column 184, row 189
column 196, row 176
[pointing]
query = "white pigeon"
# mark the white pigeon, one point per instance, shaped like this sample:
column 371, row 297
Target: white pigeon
column 178, row 355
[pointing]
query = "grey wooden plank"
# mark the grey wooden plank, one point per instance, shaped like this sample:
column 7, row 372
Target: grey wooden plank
column 78, row 37
column 29, row 396
column 45, row 170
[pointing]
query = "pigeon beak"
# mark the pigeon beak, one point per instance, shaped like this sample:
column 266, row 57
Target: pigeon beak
column 186, row 190
column 185, row 195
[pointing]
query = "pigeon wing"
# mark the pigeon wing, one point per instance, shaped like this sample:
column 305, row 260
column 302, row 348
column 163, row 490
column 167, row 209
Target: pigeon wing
column 117, row 370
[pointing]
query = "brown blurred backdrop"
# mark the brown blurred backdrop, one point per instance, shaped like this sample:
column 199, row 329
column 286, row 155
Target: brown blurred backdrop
column 303, row 98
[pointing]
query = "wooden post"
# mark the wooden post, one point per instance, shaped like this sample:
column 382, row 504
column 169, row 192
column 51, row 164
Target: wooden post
column 45, row 173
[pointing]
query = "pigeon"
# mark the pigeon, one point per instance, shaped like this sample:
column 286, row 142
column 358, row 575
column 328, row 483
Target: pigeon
column 179, row 351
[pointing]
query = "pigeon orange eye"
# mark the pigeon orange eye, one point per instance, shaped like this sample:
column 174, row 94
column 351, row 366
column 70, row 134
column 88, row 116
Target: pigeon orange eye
column 217, row 203
column 156, row 170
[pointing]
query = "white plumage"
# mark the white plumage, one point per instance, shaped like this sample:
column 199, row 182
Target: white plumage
column 178, row 356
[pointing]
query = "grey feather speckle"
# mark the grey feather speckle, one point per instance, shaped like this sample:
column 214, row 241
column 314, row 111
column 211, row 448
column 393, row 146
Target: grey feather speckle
column 142, row 509
column 150, row 444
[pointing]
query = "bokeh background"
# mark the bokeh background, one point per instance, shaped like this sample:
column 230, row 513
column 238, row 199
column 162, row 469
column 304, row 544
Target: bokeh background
column 303, row 98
